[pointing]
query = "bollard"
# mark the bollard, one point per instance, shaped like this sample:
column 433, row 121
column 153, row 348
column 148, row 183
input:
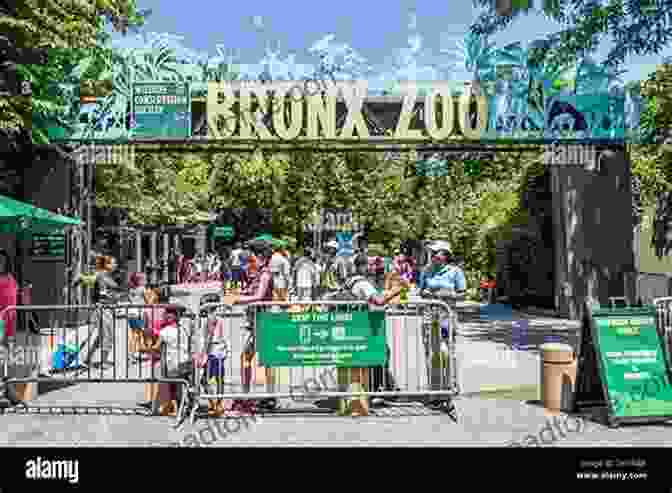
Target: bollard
column 558, row 376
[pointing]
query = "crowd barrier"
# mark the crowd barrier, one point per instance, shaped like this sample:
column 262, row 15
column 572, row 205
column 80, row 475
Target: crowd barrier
column 318, row 350
column 422, row 358
column 664, row 323
column 71, row 344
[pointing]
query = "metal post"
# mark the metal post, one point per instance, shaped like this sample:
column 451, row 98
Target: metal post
column 138, row 250
column 166, row 253
column 153, row 255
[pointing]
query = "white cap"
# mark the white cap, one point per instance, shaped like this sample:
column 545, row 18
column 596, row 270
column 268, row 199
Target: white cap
column 332, row 244
column 440, row 245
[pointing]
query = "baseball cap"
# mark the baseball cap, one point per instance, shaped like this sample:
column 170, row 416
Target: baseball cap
column 260, row 247
column 437, row 246
column 332, row 244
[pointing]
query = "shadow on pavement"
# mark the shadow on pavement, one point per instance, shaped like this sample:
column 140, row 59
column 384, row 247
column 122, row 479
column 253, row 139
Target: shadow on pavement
column 495, row 323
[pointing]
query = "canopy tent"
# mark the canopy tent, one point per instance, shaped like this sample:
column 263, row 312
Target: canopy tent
column 18, row 217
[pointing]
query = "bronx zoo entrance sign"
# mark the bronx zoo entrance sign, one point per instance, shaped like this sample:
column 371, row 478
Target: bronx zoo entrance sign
column 439, row 111
column 283, row 111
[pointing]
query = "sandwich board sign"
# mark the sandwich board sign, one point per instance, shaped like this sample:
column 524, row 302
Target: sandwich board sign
column 623, row 367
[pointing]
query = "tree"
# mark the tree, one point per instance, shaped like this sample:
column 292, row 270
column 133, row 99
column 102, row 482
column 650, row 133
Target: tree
column 634, row 27
column 69, row 33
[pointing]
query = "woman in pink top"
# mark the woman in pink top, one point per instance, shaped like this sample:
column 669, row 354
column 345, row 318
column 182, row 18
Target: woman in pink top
column 8, row 295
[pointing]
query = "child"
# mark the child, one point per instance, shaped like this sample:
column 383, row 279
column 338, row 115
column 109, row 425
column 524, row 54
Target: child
column 175, row 363
column 136, row 323
column 217, row 351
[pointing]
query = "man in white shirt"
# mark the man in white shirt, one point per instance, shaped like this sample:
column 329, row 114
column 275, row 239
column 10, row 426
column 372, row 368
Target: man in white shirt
column 307, row 277
column 281, row 270
column 362, row 289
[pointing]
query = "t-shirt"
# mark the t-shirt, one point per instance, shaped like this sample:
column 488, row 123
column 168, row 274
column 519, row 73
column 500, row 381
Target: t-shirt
column 306, row 271
column 236, row 258
column 363, row 290
column 280, row 269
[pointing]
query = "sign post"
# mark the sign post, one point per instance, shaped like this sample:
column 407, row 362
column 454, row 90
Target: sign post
column 623, row 367
column 161, row 109
column 341, row 339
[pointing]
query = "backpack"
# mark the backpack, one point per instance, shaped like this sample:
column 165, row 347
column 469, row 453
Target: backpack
column 345, row 292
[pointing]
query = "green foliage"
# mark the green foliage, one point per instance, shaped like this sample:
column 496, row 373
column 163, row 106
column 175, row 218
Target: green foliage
column 632, row 28
column 74, row 34
column 471, row 212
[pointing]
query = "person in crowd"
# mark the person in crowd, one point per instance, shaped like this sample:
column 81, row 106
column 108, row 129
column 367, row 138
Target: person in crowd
column 361, row 288
column 136, row 296
column 251, row 269
column 443, row 273
column 404, row 265
column 329, row 274
column 101, row 331
column 172, row 266
column 306, row 275
column 260, row 289
column 176, row 361
column 8, row 297
column 237, row 264
column 281, row 269
column 225, row 267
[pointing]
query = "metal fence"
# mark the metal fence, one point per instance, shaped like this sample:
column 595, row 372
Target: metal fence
column 652, row 286
column 60, row 345
column 421, row 357
column 213, row 355
column 664, row 324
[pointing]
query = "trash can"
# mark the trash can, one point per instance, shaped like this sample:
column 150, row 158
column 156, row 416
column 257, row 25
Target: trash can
column 558, row 374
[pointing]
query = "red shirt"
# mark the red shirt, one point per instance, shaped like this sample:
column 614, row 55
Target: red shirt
column 8, row 297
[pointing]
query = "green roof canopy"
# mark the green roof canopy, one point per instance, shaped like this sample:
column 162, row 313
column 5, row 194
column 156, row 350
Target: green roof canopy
column 20, row 217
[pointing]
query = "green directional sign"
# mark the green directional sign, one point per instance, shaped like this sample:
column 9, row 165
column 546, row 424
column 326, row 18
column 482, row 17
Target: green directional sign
column 161, row 110
column 625, row 357
column 345, row 339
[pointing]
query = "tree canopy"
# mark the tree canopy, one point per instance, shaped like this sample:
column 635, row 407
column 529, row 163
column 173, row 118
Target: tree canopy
column 68, row 33
column 635, row 27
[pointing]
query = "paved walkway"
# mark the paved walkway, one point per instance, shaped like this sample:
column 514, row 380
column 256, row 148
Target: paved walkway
column 485, row 360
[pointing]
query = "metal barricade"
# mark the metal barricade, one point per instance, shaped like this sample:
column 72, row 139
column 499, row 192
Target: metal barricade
column 94, row 344
column 664, row 324
column 421, row 361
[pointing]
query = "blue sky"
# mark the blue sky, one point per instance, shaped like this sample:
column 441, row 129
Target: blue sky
column 376, row 29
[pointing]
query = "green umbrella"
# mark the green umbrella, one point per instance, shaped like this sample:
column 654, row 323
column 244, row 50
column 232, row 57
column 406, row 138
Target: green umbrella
column 264, row 237
column 19, row 217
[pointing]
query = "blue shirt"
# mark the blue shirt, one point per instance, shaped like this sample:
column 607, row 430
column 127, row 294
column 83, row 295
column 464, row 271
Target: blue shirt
column 448, row 277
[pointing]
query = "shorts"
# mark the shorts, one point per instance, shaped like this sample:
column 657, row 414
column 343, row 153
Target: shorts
column 215, row 368
column 136, row 323
column 236, row 275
